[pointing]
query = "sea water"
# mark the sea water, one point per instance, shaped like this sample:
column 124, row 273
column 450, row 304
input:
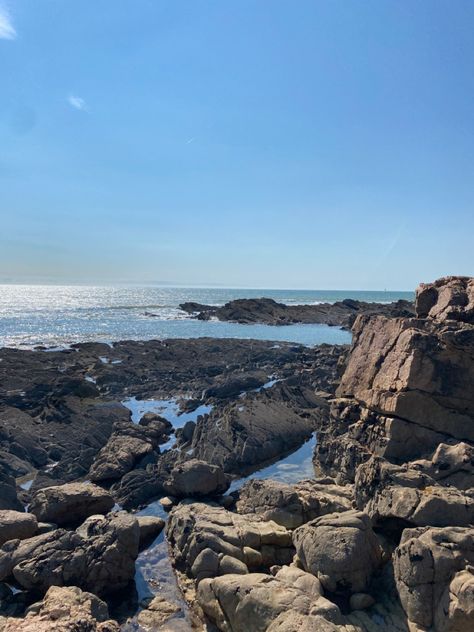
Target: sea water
column 58, row 315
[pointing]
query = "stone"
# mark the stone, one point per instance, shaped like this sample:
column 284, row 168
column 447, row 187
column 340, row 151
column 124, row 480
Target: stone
column 196, row 478
column 292, row 505
column 168, row 502
column 64, row 610
column 449, row 298
column 433, row 573
column 341, row 550
column 16, row 525
column 361, row 601
column 157, row 613
column 71, row 503
column 261, row 602
column 99, row 556
column 150, row 528
column 195, row 529
column 8, row 493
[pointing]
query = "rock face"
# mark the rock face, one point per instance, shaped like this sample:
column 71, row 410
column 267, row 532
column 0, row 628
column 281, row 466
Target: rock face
column 16, row 525
column 292, row 505
column 407, row 386
column 71, row 503
column 64, row 610
column 268, row 311
column 435, row 579
column 290, row 601
column 128, row 444
column 341, row 550
column 196, row 478
column 208, row 541
column 99, row 556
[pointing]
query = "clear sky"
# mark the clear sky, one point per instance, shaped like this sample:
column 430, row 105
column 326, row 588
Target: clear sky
column 254, row 143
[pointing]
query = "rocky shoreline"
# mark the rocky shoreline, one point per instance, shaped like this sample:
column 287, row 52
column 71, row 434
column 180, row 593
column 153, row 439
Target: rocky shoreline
column 269, row 312
column 382, row 537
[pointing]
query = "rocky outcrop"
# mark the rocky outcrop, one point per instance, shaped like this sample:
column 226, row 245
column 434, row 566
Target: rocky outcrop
column 196, row 478
column 405, row 496
column 8, row 493
column 208, row 541
column 16, row 525
column 99, row 556
column 341, row 550
column 70, row 504
column 64, row 610
column 435, row 579
column 407, row 386
column 292, row 505
column 292, row 600
column 128, row 445
column 269, row 312
column 257, row 428
column 157, row 613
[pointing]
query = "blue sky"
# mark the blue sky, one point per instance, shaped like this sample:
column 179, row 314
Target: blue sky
column 310, row 144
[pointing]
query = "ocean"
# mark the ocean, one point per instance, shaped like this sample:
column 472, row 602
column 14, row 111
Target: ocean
column 59, row 315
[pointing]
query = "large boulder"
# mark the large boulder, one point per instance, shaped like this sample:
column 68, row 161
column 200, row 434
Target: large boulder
column 435, row 580
column 292, row 600
column 16, row 525
column 99, row 556
column 71, row 503
column 292, row 505
column 449, row 298
column 64, row 610
column 341, row 550
column 196, row 478
column 127, row 446
column 207, row 541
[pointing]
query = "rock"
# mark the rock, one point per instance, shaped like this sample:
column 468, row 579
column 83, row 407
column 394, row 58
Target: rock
column 433, row 573
column 196, row 478
column 268, row 311
column 292, row 505
column 158, row 612
column 137, row 488
column 65, row 610
column 231, row 566
column 361, row 601
column 262, row 427
column 150, row 527
column 341, row 550
column 262, row 603
column 16, row 525
column 71, row 503
column 197, row 532
column 128, row 444
column 8, row 494
column 450, row 298
column 408, row 497
column 168, row 502
column 99, row 556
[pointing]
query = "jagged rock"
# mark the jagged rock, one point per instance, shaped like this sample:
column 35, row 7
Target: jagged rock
column 257, row 429
column 404, row 495
column 449, row 298
column 158, row 612
column 150, row 527
column 64, row 610
column 292, row 505
column 99, row 556
column 199, row 532
column 128, row 444
column 196, row 478
column 289, row 601
column 451, row 465
column 16, row 525
column 137, row 488
column 71, row 503
column 341, row 550
column 8, row 494
column 433, row 572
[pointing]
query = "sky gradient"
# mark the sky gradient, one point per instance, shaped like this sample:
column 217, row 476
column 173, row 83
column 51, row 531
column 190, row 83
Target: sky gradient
column 267, row 143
